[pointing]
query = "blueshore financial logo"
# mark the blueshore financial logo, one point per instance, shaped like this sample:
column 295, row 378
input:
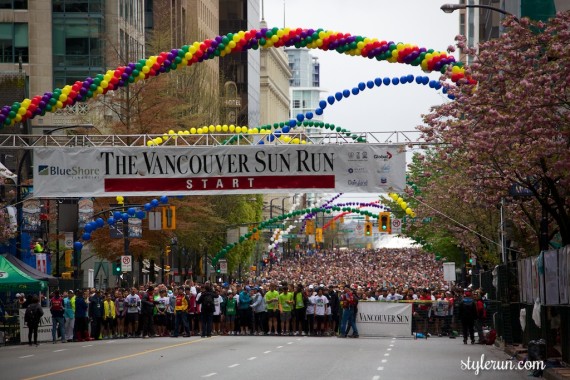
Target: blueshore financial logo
column 75, row 172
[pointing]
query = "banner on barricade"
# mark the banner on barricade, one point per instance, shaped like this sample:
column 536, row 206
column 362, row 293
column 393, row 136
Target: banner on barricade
column 44, row 328
column 384, row 319
column 136, row 171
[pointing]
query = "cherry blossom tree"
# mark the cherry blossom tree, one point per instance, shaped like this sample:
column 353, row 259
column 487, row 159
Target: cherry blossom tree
column 511, row 128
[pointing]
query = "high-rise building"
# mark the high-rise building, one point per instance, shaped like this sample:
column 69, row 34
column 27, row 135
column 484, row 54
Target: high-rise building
column 305, row 92
column 274, row 82
column 62, row 41
column 240, row 71
column 480, row 24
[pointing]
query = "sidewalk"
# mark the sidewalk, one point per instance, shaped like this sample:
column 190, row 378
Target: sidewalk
column 561, row 373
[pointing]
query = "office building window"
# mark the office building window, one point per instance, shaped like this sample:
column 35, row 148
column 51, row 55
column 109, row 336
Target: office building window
column 13, row 4
column 13, row 42
column 77, row 6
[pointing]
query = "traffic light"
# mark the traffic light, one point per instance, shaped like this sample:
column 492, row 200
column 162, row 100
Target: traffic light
column 66, row 275
column 384, row 222
column 167, row 250
column 67, row 258
column 310, row 227
column 368, row 229
column 169, row 218
column 117, row 267
column 218, row 270
column 333, row 225
column 319, row 235
column 167, row 268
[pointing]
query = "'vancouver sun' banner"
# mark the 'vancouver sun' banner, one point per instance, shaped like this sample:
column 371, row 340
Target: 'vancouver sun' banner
column 134, row 171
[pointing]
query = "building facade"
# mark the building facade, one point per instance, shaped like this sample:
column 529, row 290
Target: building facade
column 305, row 92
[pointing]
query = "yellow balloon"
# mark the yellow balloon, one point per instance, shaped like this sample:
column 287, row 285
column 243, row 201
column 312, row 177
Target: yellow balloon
column 218, row 128
column 145, row 69
column 295, row 140
column 22, row 111
column 238, row 129
column 193, row 130
column 18, row 117
column 120, row 198
column 212, row 129
column 409, row 211
column 180, row 133
column 404, row 205
column 232, row 128
column 200, row 131
column 171, row 132
column 158, row 140
column 224, row 128
column 149, row 143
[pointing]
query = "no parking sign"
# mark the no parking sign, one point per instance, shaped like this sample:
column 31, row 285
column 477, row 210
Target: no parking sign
column 396, row 226
column 126, row 263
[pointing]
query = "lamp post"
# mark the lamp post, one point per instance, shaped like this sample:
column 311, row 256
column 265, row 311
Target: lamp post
column 450, row 8
column 26, row 158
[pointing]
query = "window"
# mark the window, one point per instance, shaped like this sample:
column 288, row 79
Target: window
column 13, row 42
column 296, row 104
column 13, row 4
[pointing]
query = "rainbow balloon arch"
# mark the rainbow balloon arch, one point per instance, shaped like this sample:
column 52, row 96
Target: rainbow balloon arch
column 344, row 43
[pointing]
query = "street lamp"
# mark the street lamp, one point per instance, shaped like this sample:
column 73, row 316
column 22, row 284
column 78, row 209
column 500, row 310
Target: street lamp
column 450, row 8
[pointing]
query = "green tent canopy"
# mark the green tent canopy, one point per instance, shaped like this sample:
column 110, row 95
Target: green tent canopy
column 17, row 276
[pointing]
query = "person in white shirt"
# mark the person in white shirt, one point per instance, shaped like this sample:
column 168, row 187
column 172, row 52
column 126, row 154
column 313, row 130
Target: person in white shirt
column 321, row 304
column 217, row 318
column 133, row 302
column 311, row 311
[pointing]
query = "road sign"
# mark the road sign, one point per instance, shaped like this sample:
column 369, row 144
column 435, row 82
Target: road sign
column 396, row 226
column 126, row 263
column 223, row 266
column 449, row 271
column 155, row 220
column 69, row 240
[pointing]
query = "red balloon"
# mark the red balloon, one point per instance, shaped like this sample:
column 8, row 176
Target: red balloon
column 160, row 59
column 156, row 66
column 152, row 72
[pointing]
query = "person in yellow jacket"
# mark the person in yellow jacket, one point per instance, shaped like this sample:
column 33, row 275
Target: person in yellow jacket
column 180, row 310
column 109, row 317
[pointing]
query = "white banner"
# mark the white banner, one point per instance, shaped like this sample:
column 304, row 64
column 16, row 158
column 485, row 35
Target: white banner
column 41, row 262
column 384, row 319
column 449, row 272
column 44, row 328
column 132, row 171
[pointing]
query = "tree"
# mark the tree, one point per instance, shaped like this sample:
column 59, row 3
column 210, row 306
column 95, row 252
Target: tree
column 511, row 128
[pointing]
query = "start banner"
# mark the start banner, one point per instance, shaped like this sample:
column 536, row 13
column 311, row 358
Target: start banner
column 377, row 318
column 134, row 171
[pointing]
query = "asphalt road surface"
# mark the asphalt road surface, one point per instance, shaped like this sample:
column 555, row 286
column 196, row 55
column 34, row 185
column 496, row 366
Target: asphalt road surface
column 239, row 357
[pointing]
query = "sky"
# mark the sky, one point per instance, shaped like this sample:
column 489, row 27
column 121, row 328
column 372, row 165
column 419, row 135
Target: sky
column 381, row 109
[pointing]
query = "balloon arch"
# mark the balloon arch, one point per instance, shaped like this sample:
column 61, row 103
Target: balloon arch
column 428, row 60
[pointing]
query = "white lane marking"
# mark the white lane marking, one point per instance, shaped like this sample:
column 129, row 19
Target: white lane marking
column 386, row 354
column 298, row 338
column 279, row 346
column 89, row 345
column 380, row 368
column 63, row 349
column 233, row 365
column 26, row 356
column 375, row 377
column 210, row 374
column 110, row 341
column 252, row 358
column 384, row 360
column 266, row 352
column 290, row 342
column 391, row 345
column 388, row 349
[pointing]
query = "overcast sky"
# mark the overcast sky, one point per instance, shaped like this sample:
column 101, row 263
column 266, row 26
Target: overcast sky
column 395, row 108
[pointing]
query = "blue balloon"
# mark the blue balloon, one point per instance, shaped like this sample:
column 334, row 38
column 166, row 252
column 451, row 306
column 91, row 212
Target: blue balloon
column 378, row 82
column 111, row 221
column 271, row 138
column 131, row 211
column 432, row 83
column 292, row 123
column 261, row 142
column 117, row 214
column 410, row 78
column 309, row 115
column 338, row 96
column 147, row 206
column 450, row 96
column 86, row 236
column 355, row 91
column 395, row 81
column 419, row 80
column 404, row 79
column 444, row 90
column 361, row 86
column 323, row 104
column 100, row 222
column 140, row 214
column 370, row 84
column 300, row 117
column 153, row 203
column 125, row 217
column 286, row 129
column 88, row 227
column 164, row 199
column 346, row 93
column 386, row 81
column 425, row 80
column 277, row 133
column 78, row 245
column 319, row 111
column 330, row 99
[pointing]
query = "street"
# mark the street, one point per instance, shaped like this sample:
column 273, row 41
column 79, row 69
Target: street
column 228, row 357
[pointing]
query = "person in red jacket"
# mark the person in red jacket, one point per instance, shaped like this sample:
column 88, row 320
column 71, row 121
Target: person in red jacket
column 481, row 316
